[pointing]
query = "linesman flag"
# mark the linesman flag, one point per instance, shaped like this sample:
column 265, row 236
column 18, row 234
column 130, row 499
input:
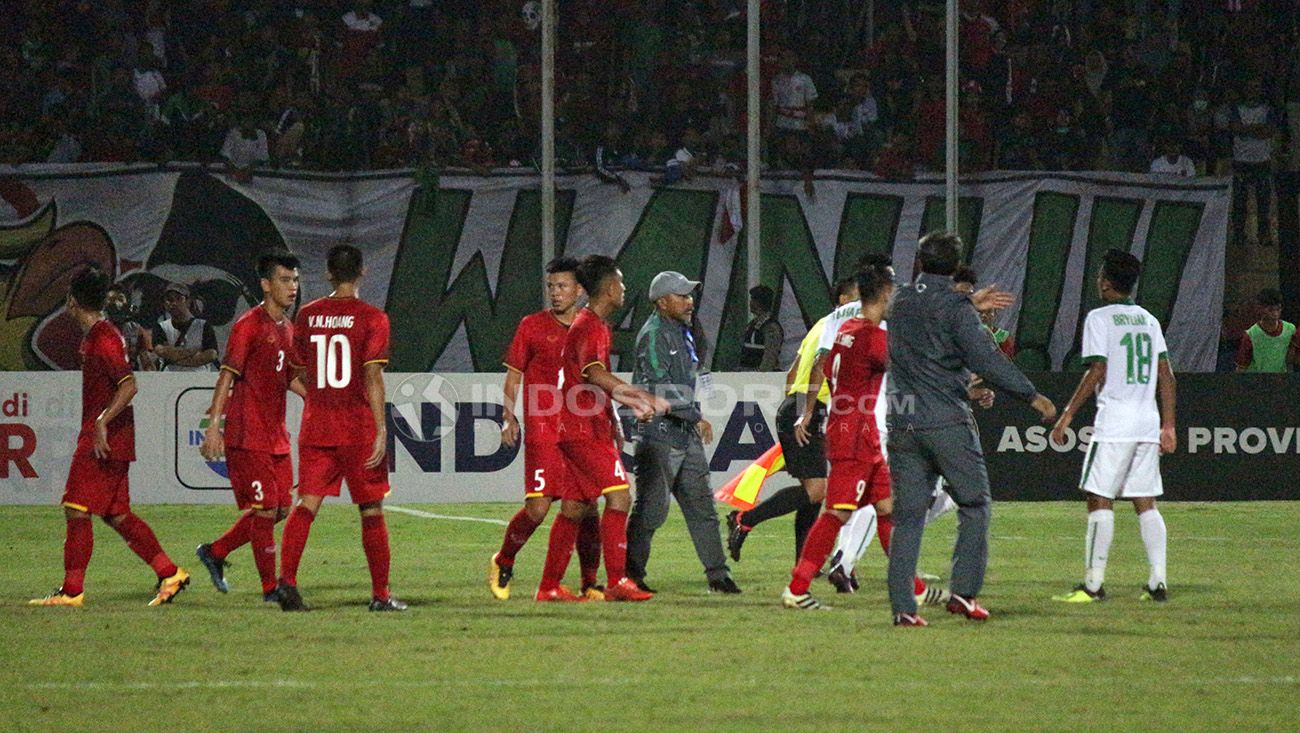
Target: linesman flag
column 742, row 491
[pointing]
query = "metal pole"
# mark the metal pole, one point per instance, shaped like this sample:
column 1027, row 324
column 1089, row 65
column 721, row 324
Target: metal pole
column 754, row 153
column 548, row 131
column 950, row 183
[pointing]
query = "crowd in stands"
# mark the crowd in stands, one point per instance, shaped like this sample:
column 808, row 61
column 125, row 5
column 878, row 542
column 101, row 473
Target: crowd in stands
column 1184, row 85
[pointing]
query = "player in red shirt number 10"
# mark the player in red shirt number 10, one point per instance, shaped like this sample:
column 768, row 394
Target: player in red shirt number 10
column 341, row 348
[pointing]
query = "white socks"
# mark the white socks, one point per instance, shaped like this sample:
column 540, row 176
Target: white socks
column 1153, row 537
column 855, row 537
column 940, row 504
column 1096, row 547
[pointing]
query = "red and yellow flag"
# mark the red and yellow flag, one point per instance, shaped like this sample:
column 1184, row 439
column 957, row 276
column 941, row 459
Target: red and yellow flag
column 742, row 491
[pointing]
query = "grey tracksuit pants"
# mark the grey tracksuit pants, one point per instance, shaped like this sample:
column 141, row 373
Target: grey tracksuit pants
column 661, row 470
column 916, row 459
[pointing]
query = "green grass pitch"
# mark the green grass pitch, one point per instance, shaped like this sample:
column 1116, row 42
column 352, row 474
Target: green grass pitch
column 1220, row 656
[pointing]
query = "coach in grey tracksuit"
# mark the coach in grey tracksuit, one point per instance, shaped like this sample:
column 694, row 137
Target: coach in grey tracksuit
column 935, row 341
column 670, row 449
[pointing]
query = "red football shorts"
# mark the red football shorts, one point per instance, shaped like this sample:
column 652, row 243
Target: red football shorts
column 855, row 483
column 260, row 480
column 98, row 487
column 595, row 468
column 545, row 472
column 322, row 469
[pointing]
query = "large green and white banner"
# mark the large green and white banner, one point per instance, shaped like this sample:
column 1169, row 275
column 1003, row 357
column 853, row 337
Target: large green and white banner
column 456, row 261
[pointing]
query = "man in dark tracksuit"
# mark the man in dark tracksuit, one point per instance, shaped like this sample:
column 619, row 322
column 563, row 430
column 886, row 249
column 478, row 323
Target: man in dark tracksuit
column 935, row 341
column 670, row 449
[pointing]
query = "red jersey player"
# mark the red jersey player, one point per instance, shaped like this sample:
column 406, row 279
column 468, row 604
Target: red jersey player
column 97, row 481
column 534, row 357
column 588, row 437
column 859, row 476
column 341, row 344
column 250, row 392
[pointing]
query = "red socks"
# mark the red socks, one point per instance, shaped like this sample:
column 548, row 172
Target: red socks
column 589, row 549
column 816, row 548
column 293, row 542
column 521, row 527
column 261, row 534
column 374, row 538
column 564, row 532
column 142, row 541
column 613, row 539
column 884, row 530
column 77, row 546
column 234, row 538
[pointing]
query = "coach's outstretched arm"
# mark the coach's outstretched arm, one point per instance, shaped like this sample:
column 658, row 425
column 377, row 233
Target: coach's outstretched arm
column 984, row 358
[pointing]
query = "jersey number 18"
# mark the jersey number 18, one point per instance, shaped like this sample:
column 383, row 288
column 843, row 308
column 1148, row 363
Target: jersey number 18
column 1138, row 346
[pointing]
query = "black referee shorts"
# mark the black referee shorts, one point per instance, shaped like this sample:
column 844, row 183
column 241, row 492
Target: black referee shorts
column 802, row 461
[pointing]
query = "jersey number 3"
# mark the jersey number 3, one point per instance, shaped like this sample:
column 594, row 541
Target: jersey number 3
column 333, row 360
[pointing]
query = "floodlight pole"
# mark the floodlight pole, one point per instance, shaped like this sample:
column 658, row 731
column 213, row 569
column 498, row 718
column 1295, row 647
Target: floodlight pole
column 548, row 131
column 754, row 152
column 950, row 182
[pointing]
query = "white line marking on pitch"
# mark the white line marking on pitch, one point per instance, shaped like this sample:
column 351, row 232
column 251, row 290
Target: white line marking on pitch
column 428, row 515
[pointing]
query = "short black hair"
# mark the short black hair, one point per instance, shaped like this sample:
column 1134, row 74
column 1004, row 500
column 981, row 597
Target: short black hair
column 90, row 288
column 269, row 260
column 1269, row 297
column 344, row 263
column 1121, row 269
column 965, row 274
column 939, row 253
column 592, row 272
column 562, row 264
column 872, row 280
column 875, row 259
column 843, row 286
column 764, row 295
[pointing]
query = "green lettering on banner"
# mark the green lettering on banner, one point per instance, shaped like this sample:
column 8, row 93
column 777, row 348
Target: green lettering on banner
column 1113, row 223
column 869, row 225
column 1050, row 234
column 425, row 306
column 1169, row 243
column 789, row 253
column 970, row 209
column 673, row 233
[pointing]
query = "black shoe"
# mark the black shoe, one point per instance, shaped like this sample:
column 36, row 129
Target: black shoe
column 271, row 596
column 289, row 598
column 726, row 586
column 216, row 568
column 640, row 584
column 1158, row 594
column 386, row 604
column 736, row 534
column 841, row 580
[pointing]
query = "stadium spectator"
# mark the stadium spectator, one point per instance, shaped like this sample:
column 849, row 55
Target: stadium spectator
column 245, row 147
column 1172, row 162
column 764, row 337
column 183, row 342
column 1253, row 124
column 1271, row 344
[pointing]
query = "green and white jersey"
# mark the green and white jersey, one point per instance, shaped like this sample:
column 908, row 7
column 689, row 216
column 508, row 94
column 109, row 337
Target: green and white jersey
column 1130, row 341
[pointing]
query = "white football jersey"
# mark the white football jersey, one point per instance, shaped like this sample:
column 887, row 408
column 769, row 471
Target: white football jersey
column 1130, row 341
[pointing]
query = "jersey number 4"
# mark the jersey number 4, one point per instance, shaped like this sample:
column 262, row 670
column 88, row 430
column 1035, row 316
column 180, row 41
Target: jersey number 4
column 333, row 360
column 1138, row 346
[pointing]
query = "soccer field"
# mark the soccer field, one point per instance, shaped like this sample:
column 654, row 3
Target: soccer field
column 1219, row 656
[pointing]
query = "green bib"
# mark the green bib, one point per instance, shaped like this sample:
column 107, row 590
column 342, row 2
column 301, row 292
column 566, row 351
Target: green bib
column 1268, row 353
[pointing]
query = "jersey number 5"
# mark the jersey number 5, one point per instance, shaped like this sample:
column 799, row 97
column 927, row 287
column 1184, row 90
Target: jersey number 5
column 333, row 360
